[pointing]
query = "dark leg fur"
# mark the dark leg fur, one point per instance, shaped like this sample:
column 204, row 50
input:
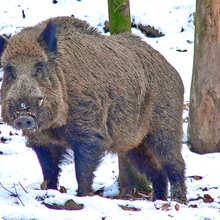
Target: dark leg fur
column 50, row 158
column 143, row 159
column 175, row 168
column 168, row 152
column 87, row 158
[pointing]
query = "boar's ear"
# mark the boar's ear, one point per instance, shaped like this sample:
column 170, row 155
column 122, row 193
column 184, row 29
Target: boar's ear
column 48, row 38
column 3, row 42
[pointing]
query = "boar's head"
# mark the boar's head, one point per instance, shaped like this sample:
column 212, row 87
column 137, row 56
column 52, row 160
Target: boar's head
column 32, row 94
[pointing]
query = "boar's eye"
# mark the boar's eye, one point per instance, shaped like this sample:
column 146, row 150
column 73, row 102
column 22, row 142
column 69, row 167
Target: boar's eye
column 39, row 67
column 10, row 72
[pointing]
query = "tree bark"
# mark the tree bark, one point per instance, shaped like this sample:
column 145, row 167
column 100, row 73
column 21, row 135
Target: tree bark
column 204, row 114
column 131, row 180
column 119, row 16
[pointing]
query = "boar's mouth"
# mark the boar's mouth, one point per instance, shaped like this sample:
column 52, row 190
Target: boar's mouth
column 24, row 121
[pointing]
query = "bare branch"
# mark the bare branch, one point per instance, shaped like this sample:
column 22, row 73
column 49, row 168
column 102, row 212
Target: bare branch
column 18, row 196
column 22, row 187
column 13, row 194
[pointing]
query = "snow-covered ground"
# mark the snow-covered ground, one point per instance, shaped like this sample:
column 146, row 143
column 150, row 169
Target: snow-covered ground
column 20, row 173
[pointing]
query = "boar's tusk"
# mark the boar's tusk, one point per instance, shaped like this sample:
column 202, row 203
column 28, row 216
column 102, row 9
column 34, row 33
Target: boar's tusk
column 41, row 102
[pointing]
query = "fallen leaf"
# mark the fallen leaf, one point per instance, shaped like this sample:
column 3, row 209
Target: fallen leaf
column 193, row 206
column 181, row 50
column 196, row 177
column 208, row 198
column 145, row 196
column 177, row 207
column 91, row 194
column 126, row 208
column 204, row 189
column 150, row 195
column 99, row 192
column 3, row 140
column 63, row 189
column 10, row 133
column 165, row 207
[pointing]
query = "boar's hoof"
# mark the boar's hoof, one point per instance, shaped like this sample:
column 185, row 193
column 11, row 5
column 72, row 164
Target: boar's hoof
column 24, row 122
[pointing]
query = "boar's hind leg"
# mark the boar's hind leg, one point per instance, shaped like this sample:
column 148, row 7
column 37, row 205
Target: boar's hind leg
column 175, row 168
column 145, row 160
column 168, row 152
column 87, row 159
column 50, row 157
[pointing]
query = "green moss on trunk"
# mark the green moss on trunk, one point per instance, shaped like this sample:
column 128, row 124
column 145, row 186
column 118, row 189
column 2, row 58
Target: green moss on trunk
column 119, row 16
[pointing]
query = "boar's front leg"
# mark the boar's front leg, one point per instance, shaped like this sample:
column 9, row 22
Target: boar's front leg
column 87, row 158
column 50, row 157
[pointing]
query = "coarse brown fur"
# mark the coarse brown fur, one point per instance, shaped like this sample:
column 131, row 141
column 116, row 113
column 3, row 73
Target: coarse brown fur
column 95, row 93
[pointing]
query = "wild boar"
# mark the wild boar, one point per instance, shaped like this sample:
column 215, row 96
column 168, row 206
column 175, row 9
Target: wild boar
column 67, row 86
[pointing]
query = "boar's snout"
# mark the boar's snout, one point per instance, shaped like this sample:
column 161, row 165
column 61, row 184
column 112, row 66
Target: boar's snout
column 24, row 122
column 24, row 113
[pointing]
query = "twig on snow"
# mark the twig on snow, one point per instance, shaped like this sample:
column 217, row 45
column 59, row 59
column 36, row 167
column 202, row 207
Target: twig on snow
column 13, row 194
column 22, row 187
column 18, row 196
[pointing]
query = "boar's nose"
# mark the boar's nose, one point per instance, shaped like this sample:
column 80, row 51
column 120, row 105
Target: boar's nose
column 24, row 122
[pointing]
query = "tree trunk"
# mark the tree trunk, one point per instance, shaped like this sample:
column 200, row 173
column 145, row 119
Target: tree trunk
column 129, row 178
column 119, row 16
column 204, row 114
